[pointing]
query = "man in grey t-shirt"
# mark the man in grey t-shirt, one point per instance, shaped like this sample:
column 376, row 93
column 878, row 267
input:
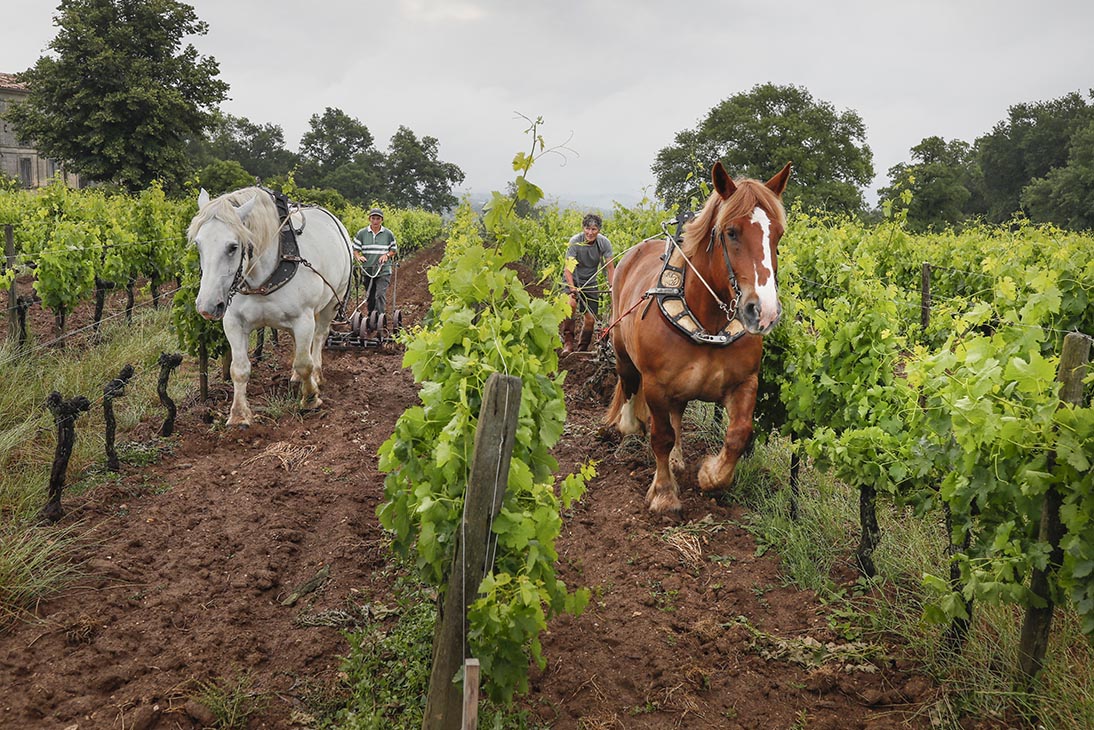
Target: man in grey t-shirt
column 587, row 253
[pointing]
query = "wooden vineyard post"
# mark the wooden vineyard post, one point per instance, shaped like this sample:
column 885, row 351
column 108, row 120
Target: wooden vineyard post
column 494, row 440
column 260, row 341
column 1038, row 620
column 925, row 296
column 470, row 695
column 9, row 263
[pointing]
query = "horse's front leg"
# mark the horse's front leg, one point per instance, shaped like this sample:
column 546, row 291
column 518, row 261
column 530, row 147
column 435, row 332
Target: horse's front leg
column 303, row 366
column 718, row 471
column 239, row 339
column 663, row 494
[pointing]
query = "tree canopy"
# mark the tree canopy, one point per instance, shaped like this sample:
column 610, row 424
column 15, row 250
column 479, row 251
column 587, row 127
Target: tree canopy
column 337, row 152
column 333, row 139
column 258, row 148
column 122, row 95
column 941, row 180
column 415, row 177
column 1032, row 141
column 1037, row 162
column 755, row 133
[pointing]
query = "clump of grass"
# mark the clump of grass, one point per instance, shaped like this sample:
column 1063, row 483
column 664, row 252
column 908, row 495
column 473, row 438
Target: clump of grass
column 34, row 564
column 232, row 702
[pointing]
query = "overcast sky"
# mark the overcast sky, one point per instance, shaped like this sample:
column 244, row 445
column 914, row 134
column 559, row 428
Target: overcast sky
column 615, row 80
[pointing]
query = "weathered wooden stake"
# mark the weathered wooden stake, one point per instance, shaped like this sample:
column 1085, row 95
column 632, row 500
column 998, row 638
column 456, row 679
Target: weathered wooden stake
column 494, row 440
column 470, row 695
column 795, row 473
column 167, row 364
column 871, row 532
column 101, row 288
column 22, row 304
column 260, row 341
column 1038, row 621
column 925, row 296
column 958, row 630
column 130, row 298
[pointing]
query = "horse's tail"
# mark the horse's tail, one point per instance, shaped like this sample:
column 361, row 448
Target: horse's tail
column 629, row 414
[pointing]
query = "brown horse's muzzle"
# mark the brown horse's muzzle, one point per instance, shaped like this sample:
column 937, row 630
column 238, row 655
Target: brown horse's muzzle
column 758, row 319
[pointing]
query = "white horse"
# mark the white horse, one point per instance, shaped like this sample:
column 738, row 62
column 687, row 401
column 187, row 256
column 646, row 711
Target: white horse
column 238, row 240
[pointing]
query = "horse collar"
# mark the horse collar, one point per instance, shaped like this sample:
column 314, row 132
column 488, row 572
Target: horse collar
column 669, row 293
column 288, row 253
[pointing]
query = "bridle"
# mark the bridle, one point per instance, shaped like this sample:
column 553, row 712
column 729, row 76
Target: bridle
column 729, row 309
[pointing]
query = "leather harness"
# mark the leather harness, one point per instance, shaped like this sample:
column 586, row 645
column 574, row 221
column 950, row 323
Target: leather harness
column 289, row 250
column 669, row 294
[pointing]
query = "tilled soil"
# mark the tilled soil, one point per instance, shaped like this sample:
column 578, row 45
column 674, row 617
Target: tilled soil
column 246, row 553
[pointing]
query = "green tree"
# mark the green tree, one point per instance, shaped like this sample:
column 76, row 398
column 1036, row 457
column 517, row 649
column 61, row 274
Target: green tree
column 223, row 176
column 333, row 139
column 755, row 133
column 1032, row 141
column 1065, row 196
column 941, row 178
column 415, row 177
column 259, row 148
column 121, row 95
column 361, row 181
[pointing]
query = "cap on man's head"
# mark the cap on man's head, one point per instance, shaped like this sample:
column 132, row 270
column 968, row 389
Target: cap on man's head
column 375, row 211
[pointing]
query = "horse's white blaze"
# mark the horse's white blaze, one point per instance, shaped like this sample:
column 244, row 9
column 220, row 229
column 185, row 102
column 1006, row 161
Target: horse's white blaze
column 766, row 289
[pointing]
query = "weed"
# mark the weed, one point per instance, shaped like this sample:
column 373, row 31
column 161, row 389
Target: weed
column 232, row 702
column 663, row 598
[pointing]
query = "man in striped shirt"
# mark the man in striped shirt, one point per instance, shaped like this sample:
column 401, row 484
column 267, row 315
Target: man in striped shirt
column 374, row 248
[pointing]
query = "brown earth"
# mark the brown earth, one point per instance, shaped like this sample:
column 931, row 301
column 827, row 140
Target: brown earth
column 194, row 567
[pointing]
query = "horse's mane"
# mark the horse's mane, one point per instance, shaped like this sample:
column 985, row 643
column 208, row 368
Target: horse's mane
column 261, row 227
column 716, row 213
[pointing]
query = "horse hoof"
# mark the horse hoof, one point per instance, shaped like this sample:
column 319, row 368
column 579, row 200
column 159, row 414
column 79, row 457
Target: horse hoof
column 711, row 481
column 670, row 514
column 664, row 504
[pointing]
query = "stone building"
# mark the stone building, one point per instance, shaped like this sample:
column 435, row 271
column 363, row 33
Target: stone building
column 19, row 160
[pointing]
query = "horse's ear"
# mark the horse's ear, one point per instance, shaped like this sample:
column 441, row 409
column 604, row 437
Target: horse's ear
column 245, row 209
column 777, row 184
column 203, row 198
column 723, row 183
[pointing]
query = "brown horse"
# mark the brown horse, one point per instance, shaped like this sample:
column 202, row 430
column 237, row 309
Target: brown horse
column 716, row 297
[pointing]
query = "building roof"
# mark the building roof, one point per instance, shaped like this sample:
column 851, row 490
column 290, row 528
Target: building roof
column 8, row 83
